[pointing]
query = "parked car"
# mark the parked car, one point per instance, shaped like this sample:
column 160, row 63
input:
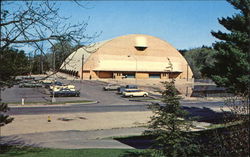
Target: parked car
column 111, row 87
column 47, row 82
column 28, row 78
column 57, row 87
column 31, row 84
column 56, row 84
column 122, row 88
column 65, row 92
column 134, row 93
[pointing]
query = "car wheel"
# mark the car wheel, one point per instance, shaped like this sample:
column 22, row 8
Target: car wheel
column 145, row 95
column 131, row 96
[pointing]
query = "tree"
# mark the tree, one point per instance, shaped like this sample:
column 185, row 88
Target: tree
column 12, row 63
column 231, row 68
column 39, row 64
column 4, row 118
column 197, row 58
column 168, row 125
column 61, row 51
column 37, row 24
column 40, row 25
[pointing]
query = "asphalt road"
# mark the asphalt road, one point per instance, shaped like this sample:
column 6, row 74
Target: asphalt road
column 76, row 108
column 89, row 90
column 108, row 102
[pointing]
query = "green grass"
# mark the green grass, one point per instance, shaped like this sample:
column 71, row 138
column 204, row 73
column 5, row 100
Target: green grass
column 224, row 125
column 45, row 152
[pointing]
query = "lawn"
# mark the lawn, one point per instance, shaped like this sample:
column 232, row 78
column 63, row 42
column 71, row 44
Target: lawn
column 45, row 152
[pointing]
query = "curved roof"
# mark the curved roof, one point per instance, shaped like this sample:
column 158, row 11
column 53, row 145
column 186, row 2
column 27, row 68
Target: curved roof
column 121, row 54
column 74, row 60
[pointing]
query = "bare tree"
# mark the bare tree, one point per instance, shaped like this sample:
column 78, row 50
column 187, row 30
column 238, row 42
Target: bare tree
column 37, row 21
column 39, row 25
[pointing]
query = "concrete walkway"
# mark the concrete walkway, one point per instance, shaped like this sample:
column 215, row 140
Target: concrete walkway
column 73, row 139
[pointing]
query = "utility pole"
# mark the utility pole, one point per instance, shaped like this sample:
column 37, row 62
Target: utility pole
column 41, row 63
column 54, row 69
column 82, row 66
column 136, row 70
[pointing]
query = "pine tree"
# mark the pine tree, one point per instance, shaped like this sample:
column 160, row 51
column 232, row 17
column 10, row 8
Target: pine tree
column 168, row 125
column 231, row 68
column 4, row 118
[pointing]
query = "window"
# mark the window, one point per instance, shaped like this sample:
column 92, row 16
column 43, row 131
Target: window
column 140, row 48
column 154, row 75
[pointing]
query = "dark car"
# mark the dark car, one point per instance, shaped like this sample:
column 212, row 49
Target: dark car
column 57, row 83
column 29, row 84
column 65, row 92
column 122, row 88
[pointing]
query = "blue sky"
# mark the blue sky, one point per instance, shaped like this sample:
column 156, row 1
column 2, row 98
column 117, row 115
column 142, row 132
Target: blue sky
column 183, row 24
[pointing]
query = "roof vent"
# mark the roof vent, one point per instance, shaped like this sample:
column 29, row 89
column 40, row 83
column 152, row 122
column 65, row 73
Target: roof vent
column 141, row 43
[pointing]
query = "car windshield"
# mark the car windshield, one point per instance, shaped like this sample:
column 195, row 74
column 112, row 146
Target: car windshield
column 133, row 91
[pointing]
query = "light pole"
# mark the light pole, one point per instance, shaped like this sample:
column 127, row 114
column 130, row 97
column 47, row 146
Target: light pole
column 82, row 66
column 53, row 92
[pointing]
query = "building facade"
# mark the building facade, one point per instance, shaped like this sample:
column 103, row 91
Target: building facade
column 131, row 56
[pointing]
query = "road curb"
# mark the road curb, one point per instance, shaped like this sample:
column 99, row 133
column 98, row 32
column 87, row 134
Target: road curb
column 51, row 105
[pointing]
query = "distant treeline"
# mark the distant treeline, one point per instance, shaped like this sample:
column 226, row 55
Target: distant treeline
column 198, row 59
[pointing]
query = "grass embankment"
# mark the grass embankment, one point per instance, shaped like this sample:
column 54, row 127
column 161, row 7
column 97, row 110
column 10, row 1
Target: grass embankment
column 45, row 152
column 207, row 140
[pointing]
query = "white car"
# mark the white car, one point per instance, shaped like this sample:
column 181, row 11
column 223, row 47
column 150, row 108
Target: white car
column 111, row 87
column 58, row 88
column 134, row 93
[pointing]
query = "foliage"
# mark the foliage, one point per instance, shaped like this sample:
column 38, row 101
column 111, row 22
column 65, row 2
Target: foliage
column 10, row 151
column 38, row 22
column 12, row 63
column 60, row 50
column 197, row 58
column 168, row 125
column 40, row 25
column 234, row 141
column 39, row 64
column 231, row 68
column 35, row 24
column 4, row 118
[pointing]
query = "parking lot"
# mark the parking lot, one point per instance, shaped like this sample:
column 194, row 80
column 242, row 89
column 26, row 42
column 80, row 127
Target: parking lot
column 89, row 90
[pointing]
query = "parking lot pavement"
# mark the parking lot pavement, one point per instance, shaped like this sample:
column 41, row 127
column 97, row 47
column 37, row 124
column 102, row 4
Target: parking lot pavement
column 89, row 90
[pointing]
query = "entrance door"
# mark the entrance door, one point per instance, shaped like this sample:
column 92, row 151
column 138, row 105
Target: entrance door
column 129, row 75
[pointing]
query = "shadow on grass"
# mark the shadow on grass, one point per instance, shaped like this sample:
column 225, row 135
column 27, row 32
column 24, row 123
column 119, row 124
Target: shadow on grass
column 8, row 150
column 15, row 146
column 207, row 115
column 138, row 142
column 212, row 142
column 139, row 153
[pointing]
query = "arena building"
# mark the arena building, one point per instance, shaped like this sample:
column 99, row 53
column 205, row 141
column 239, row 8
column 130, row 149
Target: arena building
column 131, row 56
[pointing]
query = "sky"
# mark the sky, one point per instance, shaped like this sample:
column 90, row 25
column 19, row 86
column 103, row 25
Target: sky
column 184, row 24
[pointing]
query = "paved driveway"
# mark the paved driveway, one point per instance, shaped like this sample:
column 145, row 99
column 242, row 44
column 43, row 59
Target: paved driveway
column 73, row 139
column 90, row 90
